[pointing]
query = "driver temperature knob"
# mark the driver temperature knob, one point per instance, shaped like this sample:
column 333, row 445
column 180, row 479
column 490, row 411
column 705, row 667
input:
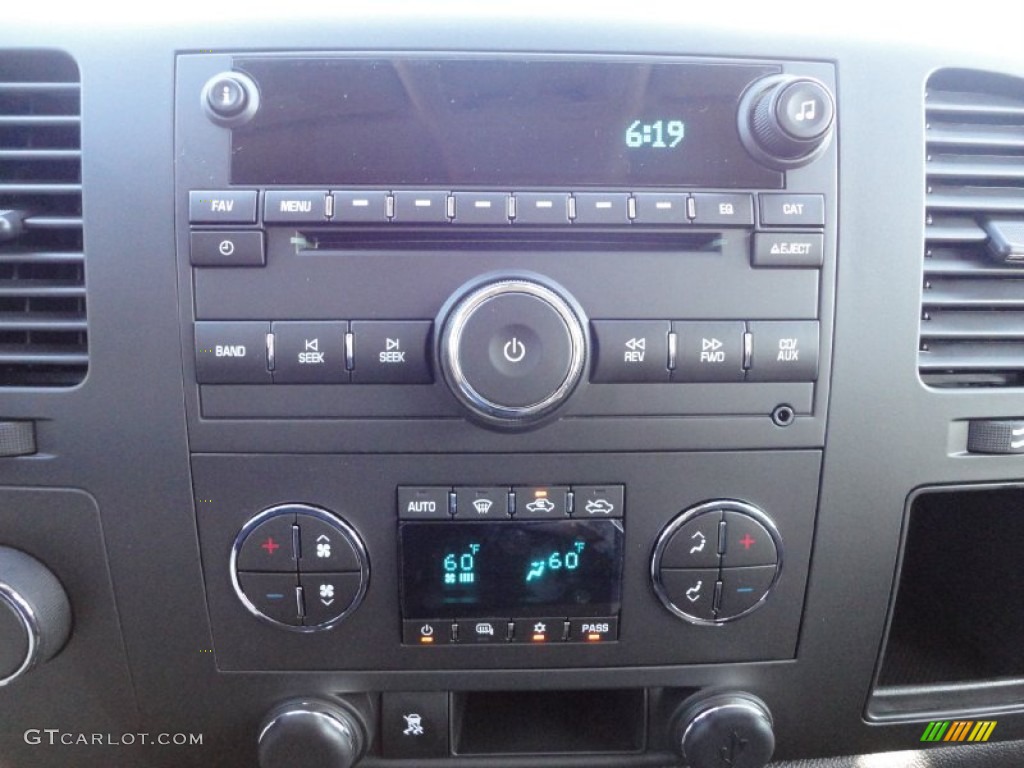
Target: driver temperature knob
column 728, row 729
column 786, row 121
column 311, row 733
column 512, row 350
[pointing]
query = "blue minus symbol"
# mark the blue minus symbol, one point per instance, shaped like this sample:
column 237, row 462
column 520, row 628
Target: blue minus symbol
column 745, row 589
column 275, row 596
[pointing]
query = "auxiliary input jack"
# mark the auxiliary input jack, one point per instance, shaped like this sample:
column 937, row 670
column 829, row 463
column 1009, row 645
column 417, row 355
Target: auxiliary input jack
column 783, row 415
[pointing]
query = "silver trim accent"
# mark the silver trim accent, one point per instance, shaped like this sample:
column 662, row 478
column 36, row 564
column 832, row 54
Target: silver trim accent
column 748, row 350
column 451, row 340
column 336, row 717
column 27, row 615
column 511, row 206
column 686, row 516
column 691, row 207
column 449, row 206
column 389, row 206
column 271, row 351
column 329, row 206
column 673, row 350
column 572, row 207
column 321, row 514
column 350, row 351
column 631, row 208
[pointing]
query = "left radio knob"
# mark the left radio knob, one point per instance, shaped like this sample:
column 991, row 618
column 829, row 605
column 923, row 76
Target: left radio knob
column 311, row 733
column 35, row 615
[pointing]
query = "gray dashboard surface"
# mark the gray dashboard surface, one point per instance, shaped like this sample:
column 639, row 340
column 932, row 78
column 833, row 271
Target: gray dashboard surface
column 121, row 437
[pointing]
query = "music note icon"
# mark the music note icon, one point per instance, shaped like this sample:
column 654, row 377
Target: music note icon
column 806, row 111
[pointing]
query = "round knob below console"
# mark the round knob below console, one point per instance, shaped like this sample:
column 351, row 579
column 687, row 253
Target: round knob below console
column 35, row 615
column 310, row 733
column 729, row 729
column 512, row 351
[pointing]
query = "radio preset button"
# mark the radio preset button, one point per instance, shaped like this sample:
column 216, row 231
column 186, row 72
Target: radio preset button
column 654, row 208
column 227, row 249
column 426, row 503
column 481, row 503
column 790, row 210
column 225, row 206
column 784, row 351
column 310, row 352
column 232, row 352
column 421, row 207
column 602, row 208
column 630, row 351
column 294, row 207
column 539, row 208
column 360, row 207
column 708, row 351
column 391, row 352
column 481, row 208
column 726, row 210
column 788, row 249
column 541, row 502
column 599, row 501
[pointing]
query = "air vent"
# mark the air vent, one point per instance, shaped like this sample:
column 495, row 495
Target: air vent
column 972, row 327
column 42, row 259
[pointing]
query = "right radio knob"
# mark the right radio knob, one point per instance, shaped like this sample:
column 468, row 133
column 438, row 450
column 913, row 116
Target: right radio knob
column 787, row 121
column 716, row 562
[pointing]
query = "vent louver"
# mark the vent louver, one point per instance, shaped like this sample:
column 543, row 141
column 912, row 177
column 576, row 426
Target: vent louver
column 972, row 326
column 42, row 259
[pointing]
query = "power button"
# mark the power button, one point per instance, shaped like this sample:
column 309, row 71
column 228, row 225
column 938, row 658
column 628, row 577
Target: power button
column 512, row 351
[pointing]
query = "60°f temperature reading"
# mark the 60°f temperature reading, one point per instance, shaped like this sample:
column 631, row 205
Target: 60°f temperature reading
column 460, row 568
column 661, row 134
column 556, row 561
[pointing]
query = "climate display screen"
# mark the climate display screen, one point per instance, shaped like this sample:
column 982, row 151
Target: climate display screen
column 497, row 122
column 506, row 569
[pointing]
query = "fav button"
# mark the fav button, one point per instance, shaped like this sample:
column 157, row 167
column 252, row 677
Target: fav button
column 391, row 352
column 225, row 206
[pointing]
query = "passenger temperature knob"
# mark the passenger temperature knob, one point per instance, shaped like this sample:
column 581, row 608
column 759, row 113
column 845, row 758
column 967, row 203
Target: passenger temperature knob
column 786, row 121
column 35, row 615
column 310, row 733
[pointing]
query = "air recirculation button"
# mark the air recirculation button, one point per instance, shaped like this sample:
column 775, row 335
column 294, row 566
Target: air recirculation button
column 299, row 567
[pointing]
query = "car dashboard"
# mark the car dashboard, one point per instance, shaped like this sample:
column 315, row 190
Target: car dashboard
column 496, row 388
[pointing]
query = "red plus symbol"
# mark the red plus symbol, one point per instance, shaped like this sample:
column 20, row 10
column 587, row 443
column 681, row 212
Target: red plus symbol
column 270, row 545
column 747, row 542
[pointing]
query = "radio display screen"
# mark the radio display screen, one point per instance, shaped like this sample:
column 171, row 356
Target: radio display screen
column 497, row 122
column 511, row 569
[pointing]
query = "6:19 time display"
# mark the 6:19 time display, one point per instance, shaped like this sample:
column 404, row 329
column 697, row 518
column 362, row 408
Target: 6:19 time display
column 640, row 134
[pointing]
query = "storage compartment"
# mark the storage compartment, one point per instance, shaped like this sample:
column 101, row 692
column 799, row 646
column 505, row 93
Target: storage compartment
column 549, row 722
column 956, row 636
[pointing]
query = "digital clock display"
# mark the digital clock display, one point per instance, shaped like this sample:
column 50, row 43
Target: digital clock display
column 506, row 569
column 499, row 121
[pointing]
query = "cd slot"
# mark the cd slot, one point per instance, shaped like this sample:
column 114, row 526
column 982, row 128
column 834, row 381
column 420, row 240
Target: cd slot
column 591, row 239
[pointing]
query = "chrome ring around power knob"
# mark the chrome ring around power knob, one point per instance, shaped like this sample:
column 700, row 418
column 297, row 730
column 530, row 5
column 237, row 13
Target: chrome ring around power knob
column 512, row 350
column 311, row 733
